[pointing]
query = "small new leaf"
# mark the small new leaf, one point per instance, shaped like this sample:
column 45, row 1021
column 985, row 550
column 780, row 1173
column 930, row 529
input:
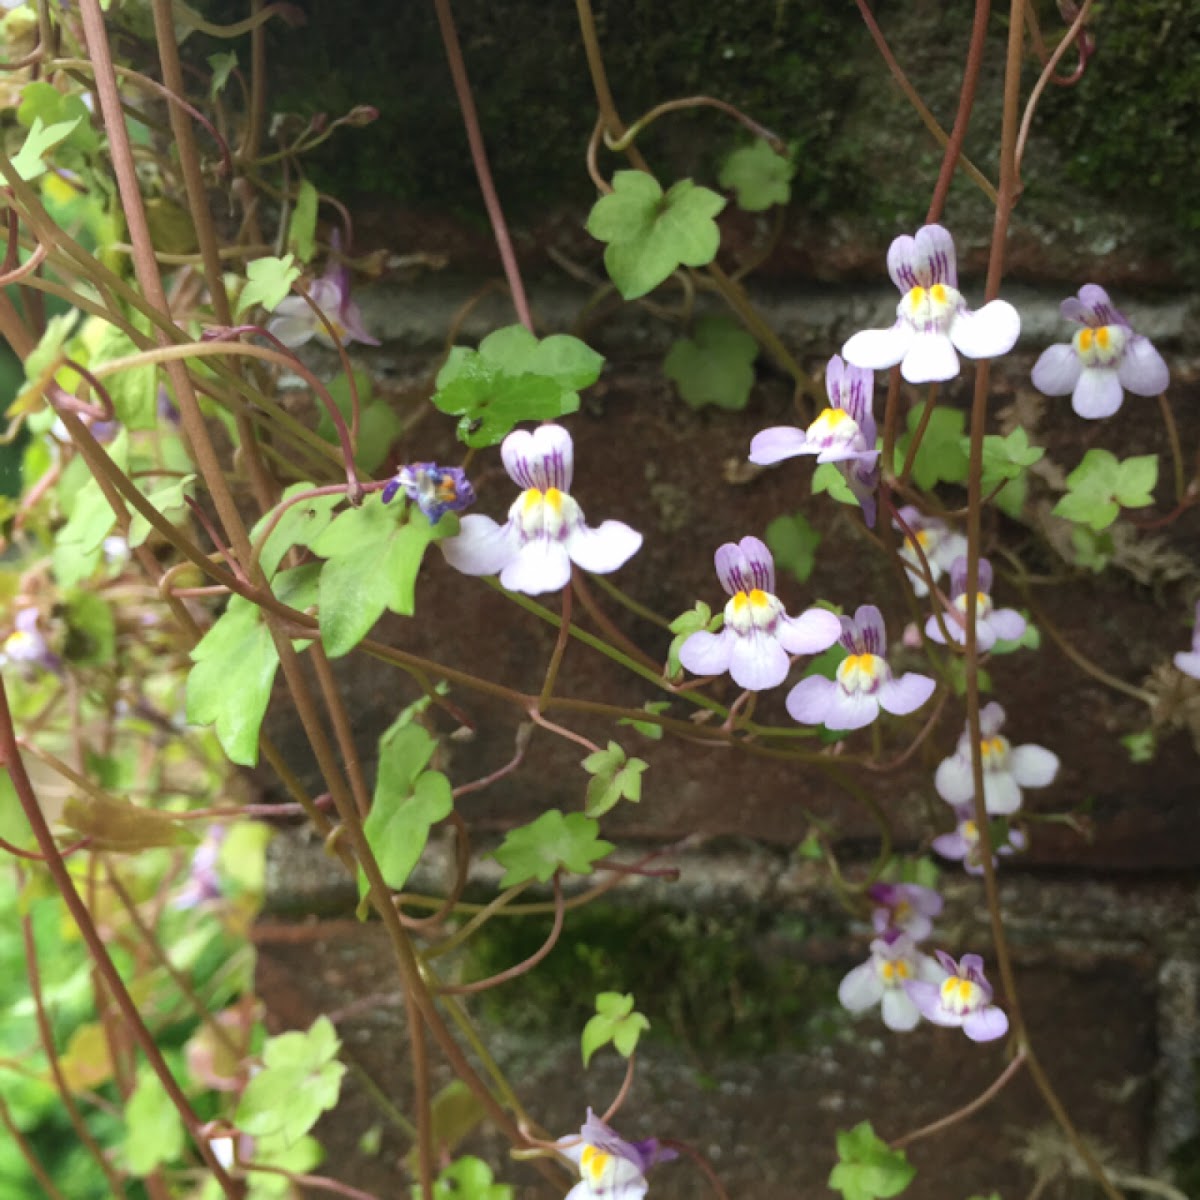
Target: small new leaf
column 868, row 1169
column 40, row 140
column 615, row 1021
column 758, row 176
column 827, row 478
column 716, row 367
column 684, row 625
column 268, row 280
column 552, row 843
column 649, row 234
column 614, row 778
column 649, row 728
column 302, row 228
column 793, row 541
column 222, row 67
column 513, row 377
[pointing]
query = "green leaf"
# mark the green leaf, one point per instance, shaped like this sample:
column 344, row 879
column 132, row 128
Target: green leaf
column 1006, row 461
column 43, row 101
column 551, row 843
column 170, row 500
column 648, row 728
column 650, row 235
column 302, row 228
column 454, row 1114
column 91, row 630
column 378, row 422
column 1136, row 479
column 717, row 367
column 827, row 478
column 408, row 802
column 696, row 618
column 793, row 542
column 222, row 67
column 230, row 684
column 374, row 556
column 43, row 363
column 120, row 827
column 614, row 778
column 40, row 140
column 469, row 1178
column 1101, row 486
column 77, row 544
column 758, row 176
column 300, row 1079
column 134, row 390
column 154, row 1132
column 300, row 525
column 513, row 377
column 942, row 454
column 1092, row 550
column 868, row 1169
column 615, row 1021
column 1141, row 745
column 268, row 280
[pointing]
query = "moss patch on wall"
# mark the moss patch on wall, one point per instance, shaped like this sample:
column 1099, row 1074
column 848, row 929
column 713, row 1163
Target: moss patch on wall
column 706, row 981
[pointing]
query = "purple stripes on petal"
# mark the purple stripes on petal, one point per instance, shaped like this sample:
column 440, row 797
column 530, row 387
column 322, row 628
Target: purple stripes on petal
column 759, row 563
column 958, row 576
column 835, row 374
column 935, row 257
column 541, row 459
column 872, row 635
column 732, row 569
column 902, row 262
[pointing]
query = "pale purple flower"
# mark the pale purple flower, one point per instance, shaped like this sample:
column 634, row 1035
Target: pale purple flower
column 963, row 999
column 991, row 624
column 940, row 544
column 434, row 490
column 895, row 961
column 294, row 323
column 843, row 433
column 1188, row 661
column 905, row 908
column 932, row 318
column 758, row 635
column 1103, row 361
column 864, row 684
column 964, row 844
column 204, row 880
column 1006, row 768
column 610, row 1168
column 545, row 532
column 26, row 647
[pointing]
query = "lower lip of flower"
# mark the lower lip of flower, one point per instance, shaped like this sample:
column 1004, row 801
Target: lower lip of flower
column 931, row 309
column 960, row 996
column 1100, row 347
column 750, row 610
column 594, row 1162
column 994, row 751
column 894, row 972
column 861, row 672
column 834, row 427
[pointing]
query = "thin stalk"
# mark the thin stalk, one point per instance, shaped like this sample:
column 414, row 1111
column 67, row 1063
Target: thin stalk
column 420, row 1070
column 960, row 1114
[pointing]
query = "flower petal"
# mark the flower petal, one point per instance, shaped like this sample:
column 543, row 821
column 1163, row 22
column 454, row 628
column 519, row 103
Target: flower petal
column 872, row 635
column 953, row 780
column 758, row 662
column 935, row 256
column 986, row 1025
column 950, row 845
column 988, row 331
column 541, row 565
column 861, row 988
column 605, row 548
column 849, row 712
column 543, row 458
column 991, row 719
column 902, row 262
column 760, row 566
column 814, row 630
column 777, row 443
column 1093, row 307
column 352, row 322
column 733, row 570
column 906, row 694
column 930, row 359
column 1057, row 370
column 293, row 322
column 878, row 349
column 927, row 999
column 1098, row 393
column 1007, row 623
column 900, row 1014
column 481, row 547
column 1188, row 661
column 1142, row 370
column 707, row 653
column 1033, row 766
column 1001, row 795
column 810, row 700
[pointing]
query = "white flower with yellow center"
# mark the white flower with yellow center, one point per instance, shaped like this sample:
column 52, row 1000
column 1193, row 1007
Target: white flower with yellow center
column 991, row 624
column 894, row 962
column 610, row 1168
column 962, row 999
column 545, row 532
column 1104, row 360
column 938, row 542
column 758, row 636
column 1007, row 769
column 965, row 843
column 932, row 318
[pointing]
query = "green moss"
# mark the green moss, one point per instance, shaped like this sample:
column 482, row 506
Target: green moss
column 705, row 981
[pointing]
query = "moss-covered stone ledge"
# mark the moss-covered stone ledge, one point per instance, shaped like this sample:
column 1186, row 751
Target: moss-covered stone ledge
column 1112, row 182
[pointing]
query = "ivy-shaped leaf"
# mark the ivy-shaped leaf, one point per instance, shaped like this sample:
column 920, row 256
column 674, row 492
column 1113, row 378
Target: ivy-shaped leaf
column 649, row 729
column 615, row 1021
column 469, row 1178
column 268, row 280
column 942, row 454
column 134, row 390
column 552, row 843
column 229, row 685
column 300, row 525
column 614, row 778
column 827, row 478
column 43, row 101
column 758, row 176
column 300, row 1079
column 793, row 541
column 1007, row 460
column 513, row 377
column 222, row 68
column 40, row 140
column 154, row 1132
column 868, row 1169
column 650, row 234
column 408, row 802
column 1102, row 485
column 378, row 422
column 170, row 500
column 374, row 555
column 77, row 546
column 716, row 367
column 43, row 363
